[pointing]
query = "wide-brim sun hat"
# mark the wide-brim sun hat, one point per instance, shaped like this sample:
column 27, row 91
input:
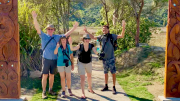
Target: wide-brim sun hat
column 50, row 26
column 86, row 36
column 63, row 36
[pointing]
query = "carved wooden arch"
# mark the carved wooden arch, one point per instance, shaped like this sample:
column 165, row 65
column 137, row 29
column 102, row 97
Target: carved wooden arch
column 172, row 62
column 9, row 50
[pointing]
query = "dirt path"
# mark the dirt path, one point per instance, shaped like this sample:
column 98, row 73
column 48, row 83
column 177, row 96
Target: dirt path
column 98, row 84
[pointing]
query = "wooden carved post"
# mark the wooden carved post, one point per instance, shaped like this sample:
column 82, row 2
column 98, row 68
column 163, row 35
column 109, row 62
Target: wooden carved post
column 9, row 50
column 172, row 64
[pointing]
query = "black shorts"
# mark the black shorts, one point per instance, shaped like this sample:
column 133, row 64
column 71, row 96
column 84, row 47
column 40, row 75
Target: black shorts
column 48, row 66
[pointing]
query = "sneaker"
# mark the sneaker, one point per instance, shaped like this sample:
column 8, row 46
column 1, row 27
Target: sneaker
column 63, row 94
column 70, row 92
column 114, row 90
column 52, row 93
column 44, row 95
column 105, row 88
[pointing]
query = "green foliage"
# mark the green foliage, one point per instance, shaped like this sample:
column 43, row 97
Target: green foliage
column 157, row 11
column 29, row 39
column 129, row 39
column 30, row 42
column 89, row 16
column 155, row 64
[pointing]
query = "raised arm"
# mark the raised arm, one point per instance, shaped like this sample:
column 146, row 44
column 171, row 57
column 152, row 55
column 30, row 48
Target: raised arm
column 91, row 35
column 72, row 61
column 72, row 48
column 56, row 50
column 36, row 24
column 123, row 30
column 76, row 24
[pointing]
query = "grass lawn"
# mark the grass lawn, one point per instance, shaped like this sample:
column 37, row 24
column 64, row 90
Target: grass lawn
column 134, row 86
column 140, row 78
column 30, row 83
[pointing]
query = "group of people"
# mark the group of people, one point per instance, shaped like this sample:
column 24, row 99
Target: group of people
column 57, row 53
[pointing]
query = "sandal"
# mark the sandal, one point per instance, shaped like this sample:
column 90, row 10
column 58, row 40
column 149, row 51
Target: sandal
column 91, row 91
column 83, row 97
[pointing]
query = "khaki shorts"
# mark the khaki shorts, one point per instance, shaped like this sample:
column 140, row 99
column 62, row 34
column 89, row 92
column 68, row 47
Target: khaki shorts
column 83, row 66
column 64, row 69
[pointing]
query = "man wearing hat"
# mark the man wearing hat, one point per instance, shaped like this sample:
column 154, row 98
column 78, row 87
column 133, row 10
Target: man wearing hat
column 49, row 60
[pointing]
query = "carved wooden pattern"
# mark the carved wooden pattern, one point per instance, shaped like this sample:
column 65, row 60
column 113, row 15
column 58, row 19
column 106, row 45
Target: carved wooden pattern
column 172, row 63
column 9, row 50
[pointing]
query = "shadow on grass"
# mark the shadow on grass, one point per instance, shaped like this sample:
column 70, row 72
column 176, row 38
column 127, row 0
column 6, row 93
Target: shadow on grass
column 134, row 97
column 137, row 98
column 35, row 83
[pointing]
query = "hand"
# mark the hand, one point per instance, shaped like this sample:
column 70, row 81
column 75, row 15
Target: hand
column 76, row 24
column 123, row 23
column 34, row 15
column 72, row 67
column 70, row 40
column 85, row 29
column 58, row 45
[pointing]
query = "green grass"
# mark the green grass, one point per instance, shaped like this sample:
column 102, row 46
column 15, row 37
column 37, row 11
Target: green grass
column 155, row 64
column 30, row 83
column 135, row 86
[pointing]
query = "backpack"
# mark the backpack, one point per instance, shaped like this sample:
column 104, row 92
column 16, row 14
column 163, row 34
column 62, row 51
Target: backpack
column 114, row 43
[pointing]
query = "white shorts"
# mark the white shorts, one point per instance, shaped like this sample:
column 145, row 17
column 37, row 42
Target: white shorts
column 64, row 69
column 84, row 66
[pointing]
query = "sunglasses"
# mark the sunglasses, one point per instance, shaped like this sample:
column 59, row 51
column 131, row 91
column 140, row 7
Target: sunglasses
column 63, row 37
column 50, row 29
column 86, row 39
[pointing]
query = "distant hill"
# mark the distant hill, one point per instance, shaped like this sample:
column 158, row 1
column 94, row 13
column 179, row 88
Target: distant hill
column 89, row 16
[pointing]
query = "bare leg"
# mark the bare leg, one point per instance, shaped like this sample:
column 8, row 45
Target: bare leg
column 106, row 78
column 44, row 81
column 114, row 79
column 51, row 80
column 68, row 78
column 89, row 82
column 82, row 84
column 62, row 75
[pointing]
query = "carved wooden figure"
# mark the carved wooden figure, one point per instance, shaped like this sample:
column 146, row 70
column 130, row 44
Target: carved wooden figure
column 172, row 63
column 9, row 50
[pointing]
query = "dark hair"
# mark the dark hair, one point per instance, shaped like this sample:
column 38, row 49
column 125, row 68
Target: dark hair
column 60, row 43
column 107, row 26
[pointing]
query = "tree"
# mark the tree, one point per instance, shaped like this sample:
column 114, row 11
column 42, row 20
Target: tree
column 137, row 6
column 106, row 8
column 61, row 10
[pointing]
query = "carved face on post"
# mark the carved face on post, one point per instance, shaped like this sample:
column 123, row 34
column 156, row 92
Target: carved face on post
column 5, row 6
column 9, row 50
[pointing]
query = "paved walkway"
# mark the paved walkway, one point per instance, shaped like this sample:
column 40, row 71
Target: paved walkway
column 97, row 84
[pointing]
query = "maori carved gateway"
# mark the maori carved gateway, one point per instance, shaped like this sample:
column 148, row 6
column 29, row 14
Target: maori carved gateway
column 172, row 63
column 9, row 50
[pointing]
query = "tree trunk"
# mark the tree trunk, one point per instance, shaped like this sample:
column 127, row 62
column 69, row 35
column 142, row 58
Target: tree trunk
column 67, row 16
column 115, row 17
column 106, row 14
column 58, row 25
column 106, row 10
column 137, row 31
column 64, row 25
